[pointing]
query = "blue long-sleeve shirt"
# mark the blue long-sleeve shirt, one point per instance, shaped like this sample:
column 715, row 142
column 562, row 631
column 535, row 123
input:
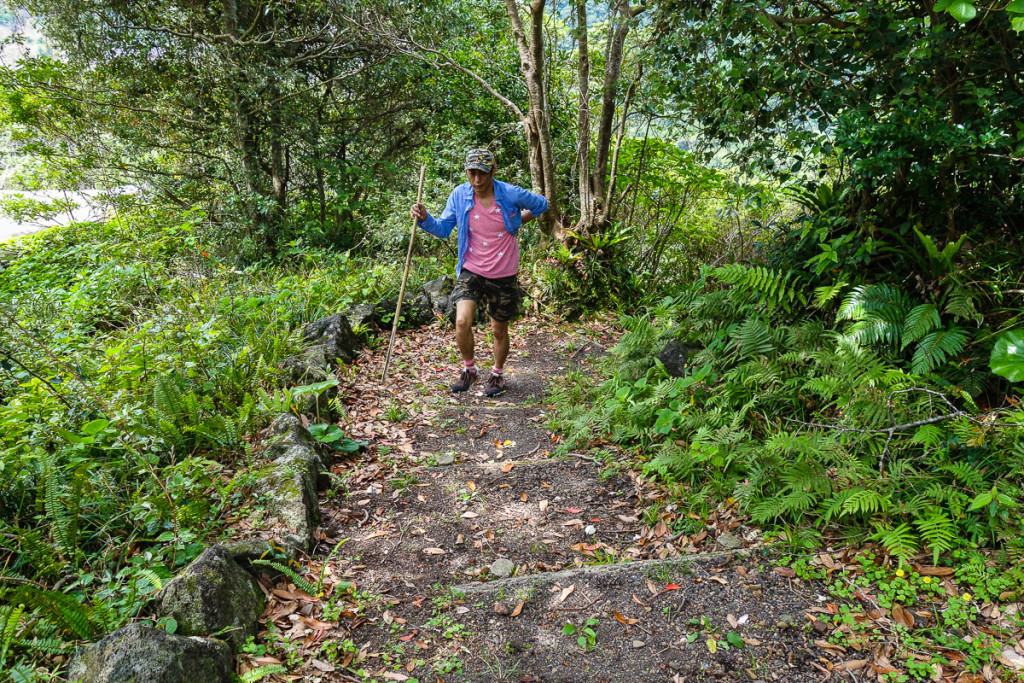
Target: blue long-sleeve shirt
column 510, row 198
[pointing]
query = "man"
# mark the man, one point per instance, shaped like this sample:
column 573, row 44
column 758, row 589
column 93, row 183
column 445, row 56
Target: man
column 488, row 214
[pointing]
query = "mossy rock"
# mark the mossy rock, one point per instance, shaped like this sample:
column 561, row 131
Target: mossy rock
column 140, row 654
column 212, row 594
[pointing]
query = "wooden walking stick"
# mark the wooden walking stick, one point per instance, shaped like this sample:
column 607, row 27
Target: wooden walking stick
column 405, row 278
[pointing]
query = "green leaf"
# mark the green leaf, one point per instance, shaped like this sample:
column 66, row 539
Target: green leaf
column 1016, row 7
column 568, row 629
column 70, row 437
column 962, row 11
column 712, row 645
column 582, row 642
column 170, row 624
column 95, row 427
column 983, row 499
column 735, row 639
column 1007, row 358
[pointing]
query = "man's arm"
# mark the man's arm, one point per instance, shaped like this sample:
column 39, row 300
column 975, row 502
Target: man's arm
column 439, row 227
column 530, row 203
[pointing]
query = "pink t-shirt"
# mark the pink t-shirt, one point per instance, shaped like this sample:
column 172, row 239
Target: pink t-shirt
column 492, row 251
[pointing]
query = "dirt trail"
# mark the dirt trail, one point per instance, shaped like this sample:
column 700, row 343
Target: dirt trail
column 478, row 570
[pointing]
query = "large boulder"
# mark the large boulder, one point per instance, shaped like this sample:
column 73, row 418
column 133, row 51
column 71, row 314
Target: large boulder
column 416, row 312
column 334, row 334
column 212, row 594
column 439, row 292
column 140, row 654
column 361, row 315
column 290, row 485
column 674, row 357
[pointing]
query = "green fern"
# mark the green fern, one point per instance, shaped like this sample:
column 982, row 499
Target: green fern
column 261, row 672
column 753, row 338
column 10, row 620
column 920, row 321
column 938, row 531
column 900, row 541
column 936, row 348
column 765, row 286
column 866, row 502
column 300, row 582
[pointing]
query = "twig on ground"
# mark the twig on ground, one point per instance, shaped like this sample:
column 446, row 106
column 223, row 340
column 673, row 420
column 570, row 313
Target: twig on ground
column 586, row 457
column 578, row 609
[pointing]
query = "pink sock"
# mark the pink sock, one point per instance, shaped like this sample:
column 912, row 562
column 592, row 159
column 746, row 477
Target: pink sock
column 496, row 371
column 471, row 364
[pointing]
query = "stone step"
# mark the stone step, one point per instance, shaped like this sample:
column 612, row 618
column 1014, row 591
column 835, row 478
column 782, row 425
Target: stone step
column 713, row 616
column 674, row 566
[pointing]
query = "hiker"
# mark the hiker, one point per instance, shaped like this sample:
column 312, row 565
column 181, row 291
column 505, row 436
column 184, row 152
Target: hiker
column 488, row 214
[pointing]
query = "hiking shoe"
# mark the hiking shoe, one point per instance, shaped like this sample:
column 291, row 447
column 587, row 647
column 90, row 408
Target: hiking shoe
column 467, row 378
column 495, row 385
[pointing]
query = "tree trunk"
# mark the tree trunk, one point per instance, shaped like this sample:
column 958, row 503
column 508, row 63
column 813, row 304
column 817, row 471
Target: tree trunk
column 587, row 205
column 613, row 69
column 536, row 124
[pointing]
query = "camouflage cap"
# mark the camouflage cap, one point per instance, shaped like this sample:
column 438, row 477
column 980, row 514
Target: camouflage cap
column 480, row 159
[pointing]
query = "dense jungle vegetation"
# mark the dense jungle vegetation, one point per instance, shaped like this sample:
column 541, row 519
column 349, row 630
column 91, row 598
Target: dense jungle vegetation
column 821, row 200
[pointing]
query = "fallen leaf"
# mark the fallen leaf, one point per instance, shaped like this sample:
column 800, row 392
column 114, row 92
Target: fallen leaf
column 672, row 587
column 854, row 664
column 518, row 609
column 712, row 645
column 507, row 467
column 902, row 616
column 934, row 571
column 406, row 639
column 652, row 587
column 566, row 592
column 469, row 515
column 543, row 506
column 574, row 511
column 624, row 620
column 786, row 572
column 824, row 644
column 523, row 497
column 471, row 486
column 433, row 551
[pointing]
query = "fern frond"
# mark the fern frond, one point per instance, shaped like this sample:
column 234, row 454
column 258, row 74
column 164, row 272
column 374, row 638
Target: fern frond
column 900, row 541
column 920, row 321
column 936, row 348
column 300, row 582
column 865, row 502
column 938, row 531
column 261, row 672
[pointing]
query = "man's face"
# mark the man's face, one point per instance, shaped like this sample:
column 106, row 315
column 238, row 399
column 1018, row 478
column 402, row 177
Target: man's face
column 478, row 179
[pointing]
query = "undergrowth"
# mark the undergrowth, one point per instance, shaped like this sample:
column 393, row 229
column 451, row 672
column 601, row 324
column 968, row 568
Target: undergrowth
column 856, row 413
column 132, row 362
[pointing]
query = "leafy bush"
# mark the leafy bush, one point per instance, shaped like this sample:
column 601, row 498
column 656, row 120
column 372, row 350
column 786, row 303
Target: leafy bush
column 131, row 362
column 865, row 423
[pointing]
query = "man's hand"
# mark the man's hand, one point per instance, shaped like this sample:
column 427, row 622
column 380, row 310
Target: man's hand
column 527, row 216
column 419, row 212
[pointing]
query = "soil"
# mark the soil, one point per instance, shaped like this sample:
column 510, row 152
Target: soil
column 420, row 540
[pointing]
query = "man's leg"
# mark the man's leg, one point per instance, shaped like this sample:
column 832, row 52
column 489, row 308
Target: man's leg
column 465, row 311
column 500, row 332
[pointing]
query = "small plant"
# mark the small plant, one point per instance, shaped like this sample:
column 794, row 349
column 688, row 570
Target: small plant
column 395, row 413
column 333, row 436
column 587, row 637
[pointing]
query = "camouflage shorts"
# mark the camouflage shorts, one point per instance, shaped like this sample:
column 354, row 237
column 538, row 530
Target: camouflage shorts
column 502, row 294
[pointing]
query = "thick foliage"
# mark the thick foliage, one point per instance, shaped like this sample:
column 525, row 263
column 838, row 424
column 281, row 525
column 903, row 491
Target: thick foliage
column 847, row 428
column 130, row 366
